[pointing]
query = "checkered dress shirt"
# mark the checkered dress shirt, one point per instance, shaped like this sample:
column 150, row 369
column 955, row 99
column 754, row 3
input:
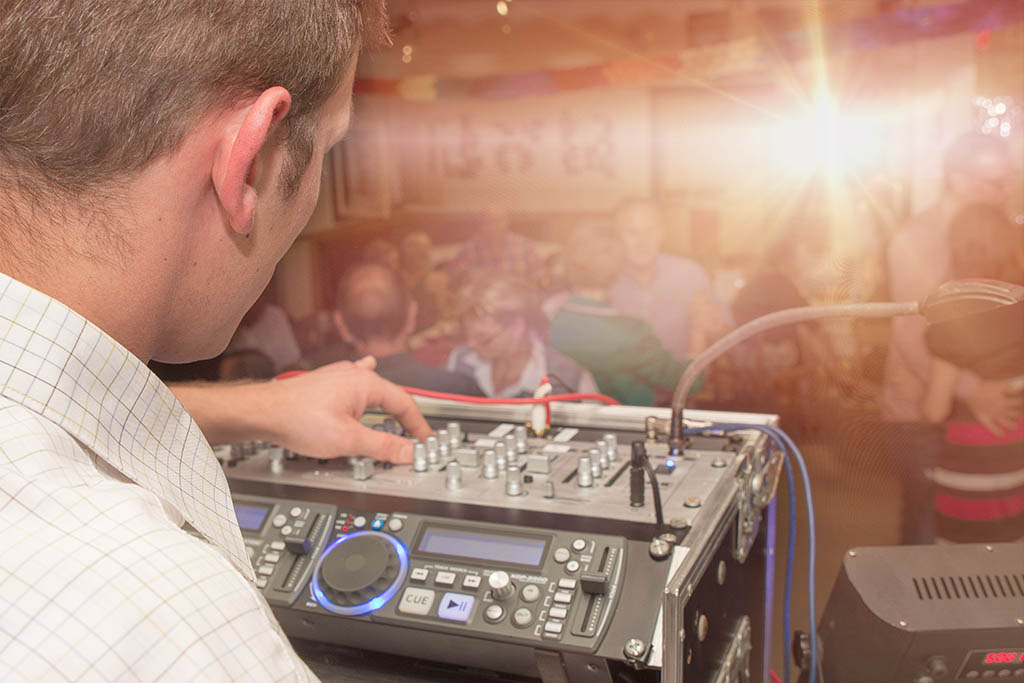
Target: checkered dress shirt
column 100, row 470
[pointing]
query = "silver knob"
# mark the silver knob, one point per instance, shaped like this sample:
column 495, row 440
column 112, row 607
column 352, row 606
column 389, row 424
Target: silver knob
column 499, row 452
column 584, row 472
column 443, row 451
column 602, row 447
column 490, row 464
column 501, row 585
column 362, row 468
column 442, row 436
column 612, row 442
column 432, row 449
column 549, row 489
column 520, row 438
column 514, row 482
column 595, row 462
column 455, row 431
column 419, row 457
column 454, row 478
column 511, row 453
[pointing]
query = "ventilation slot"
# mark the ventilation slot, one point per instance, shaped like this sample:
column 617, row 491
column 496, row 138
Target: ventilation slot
column 969, row 587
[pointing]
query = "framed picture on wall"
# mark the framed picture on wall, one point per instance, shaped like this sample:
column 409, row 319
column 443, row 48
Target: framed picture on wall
column 360, row 183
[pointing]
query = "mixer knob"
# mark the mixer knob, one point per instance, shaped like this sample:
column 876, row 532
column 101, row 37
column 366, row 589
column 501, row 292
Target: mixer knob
column 595, row 462
column 490, row 464
column 510, row 449
column 455, row 429
column 584, row 472
column 362, row 468
column 442, row 437
column 520, row 438
column 612, row 443
column 501, row 585
column 513, row 481
column 499, row 454
column 419, row 457
column 432, row 449
column 454, row 478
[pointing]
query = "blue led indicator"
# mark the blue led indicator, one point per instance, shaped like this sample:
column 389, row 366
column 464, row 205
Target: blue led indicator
column 670, row 463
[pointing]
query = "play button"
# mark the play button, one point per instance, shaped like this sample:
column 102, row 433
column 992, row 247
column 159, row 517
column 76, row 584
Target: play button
column 456, row 607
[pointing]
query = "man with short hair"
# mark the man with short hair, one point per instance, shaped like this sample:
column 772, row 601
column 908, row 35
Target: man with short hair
column 156, row 159
column 673, row 295
column 977, row 169
column 375, row 315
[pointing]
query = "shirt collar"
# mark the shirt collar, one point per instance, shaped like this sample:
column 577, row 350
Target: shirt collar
column 59, row 365
column 529, row 378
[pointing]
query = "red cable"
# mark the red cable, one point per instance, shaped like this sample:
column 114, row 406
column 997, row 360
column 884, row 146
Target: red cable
column 490, row 401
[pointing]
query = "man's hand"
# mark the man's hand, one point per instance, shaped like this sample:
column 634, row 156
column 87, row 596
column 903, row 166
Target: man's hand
column 996, row 406
column 314, row 414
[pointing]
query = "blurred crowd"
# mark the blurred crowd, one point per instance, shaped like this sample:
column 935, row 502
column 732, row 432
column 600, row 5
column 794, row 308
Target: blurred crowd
column 607, row 308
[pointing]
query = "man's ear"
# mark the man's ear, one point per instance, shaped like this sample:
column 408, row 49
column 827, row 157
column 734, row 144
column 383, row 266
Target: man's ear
column 238, row 152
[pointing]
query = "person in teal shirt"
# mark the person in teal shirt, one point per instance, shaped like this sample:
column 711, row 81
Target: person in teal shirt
column 622, row 352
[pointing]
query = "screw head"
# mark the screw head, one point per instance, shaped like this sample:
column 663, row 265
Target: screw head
column 903, row 623
column 852, row 553
column 988, row 548
column 692, row 502
column 1020, row 620
column 634, row 647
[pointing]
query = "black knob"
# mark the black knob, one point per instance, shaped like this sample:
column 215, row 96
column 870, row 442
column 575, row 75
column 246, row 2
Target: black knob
column 594, row 583
column 359, row 569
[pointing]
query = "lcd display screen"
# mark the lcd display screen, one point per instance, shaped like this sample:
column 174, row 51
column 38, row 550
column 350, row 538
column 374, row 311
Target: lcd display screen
column 497, row 548
column 251, row 517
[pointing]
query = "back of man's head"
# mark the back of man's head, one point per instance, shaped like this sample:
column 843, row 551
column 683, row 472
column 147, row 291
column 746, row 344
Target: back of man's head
column 92, row 91
column 373, row 303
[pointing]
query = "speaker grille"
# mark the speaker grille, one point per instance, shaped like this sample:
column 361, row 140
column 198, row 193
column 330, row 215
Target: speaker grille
column 980, row 587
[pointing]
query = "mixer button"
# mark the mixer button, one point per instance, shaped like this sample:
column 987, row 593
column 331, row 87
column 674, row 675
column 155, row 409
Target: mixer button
column 558, row 613
column 572, row 566
column 530, row 593
column 563, row 597
column 272, row 557
column 456, row 607
column 377, row 524
column 567, row 584
column 494, row 613
column 287, row 530
column 395, row 525
column 471, row 581
column 359, row 522
column 295, row 511
column 553, row 627
column 416, row 601
column 279, row 521
column 579, row 545
column 265, row 570
column 277, row 545
column 419, row 574
column 445, row 579
column 261, row 582
column 561, row 555
column 522, row 617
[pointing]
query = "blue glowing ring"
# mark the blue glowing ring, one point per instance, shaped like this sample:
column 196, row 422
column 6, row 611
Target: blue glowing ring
column 373, row 604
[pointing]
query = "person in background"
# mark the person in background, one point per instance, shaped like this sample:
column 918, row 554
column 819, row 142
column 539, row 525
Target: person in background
column 382, row 251
column 429, row 287
column 496, row 249
column 977, row 170
column 673, row 295
column 375, row 315
column 505, row 351
column 979, row 476
column 623, row 353
column 266, row 328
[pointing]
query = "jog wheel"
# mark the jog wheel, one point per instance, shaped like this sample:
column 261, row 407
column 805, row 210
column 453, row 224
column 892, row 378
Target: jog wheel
column 358, row 573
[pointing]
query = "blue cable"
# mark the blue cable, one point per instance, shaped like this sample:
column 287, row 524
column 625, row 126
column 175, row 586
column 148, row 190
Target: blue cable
column 776, row 435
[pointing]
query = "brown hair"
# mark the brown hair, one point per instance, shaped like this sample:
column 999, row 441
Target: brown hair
column 984, row 243
column 92, row 90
